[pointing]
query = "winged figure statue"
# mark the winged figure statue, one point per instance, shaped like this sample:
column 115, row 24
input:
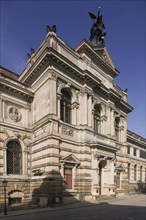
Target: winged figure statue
column 51, row 29
column 97, row 28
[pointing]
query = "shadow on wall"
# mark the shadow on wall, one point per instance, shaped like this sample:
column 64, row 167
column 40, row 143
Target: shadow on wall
column 141, row 187
column 48, row 191
column 137, row 187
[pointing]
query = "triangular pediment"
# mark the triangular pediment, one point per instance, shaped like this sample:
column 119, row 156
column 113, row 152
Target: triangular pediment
column 120, row 167
column 103, row 53
column 100, row 54
column 70, row 158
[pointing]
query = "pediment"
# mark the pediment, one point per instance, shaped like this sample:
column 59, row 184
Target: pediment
column 100, row 54
column 70, row 158
column 103, row 53
column 120, row 168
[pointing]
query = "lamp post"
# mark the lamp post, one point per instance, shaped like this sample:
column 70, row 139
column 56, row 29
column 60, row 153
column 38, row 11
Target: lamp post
column 5, row 204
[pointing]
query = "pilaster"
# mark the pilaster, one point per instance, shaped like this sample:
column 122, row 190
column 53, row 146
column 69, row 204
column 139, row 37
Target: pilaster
column 52, row 91
column 83, row 107
column 90, row 110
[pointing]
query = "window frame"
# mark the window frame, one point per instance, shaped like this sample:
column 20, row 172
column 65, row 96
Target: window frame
column 117, row 128
column 135, row 172
column 97, row 119
column 15, row 155
column 65, row 106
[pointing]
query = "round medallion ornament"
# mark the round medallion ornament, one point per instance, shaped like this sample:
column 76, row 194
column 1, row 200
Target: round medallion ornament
column 102, row 164
column 14, row 114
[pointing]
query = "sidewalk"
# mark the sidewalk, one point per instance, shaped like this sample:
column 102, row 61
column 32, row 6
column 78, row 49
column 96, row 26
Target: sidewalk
column 100, row 201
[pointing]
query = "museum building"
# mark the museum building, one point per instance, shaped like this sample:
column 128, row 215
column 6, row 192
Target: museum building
column 63, row 126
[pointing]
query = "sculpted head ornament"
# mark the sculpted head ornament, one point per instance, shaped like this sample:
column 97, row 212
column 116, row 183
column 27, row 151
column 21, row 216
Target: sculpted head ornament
column 14, row 114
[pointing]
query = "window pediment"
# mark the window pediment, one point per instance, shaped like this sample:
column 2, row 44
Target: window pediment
column 120, row 168
column 70, row 158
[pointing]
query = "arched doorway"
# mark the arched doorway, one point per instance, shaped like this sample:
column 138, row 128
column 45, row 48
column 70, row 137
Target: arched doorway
column 15, row 197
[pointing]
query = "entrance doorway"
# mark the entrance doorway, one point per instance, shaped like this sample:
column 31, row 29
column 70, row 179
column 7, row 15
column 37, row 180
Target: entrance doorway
column 118, row 180
column 68, row 177
column 102, row 165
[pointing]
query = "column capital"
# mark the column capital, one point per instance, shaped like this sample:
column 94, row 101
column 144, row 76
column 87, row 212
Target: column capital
column 52, row 75
column 83, row 92
column 75, row 105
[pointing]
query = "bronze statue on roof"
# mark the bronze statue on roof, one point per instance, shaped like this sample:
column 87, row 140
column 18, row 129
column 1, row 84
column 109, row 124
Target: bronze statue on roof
column 96, row 31
column 51, row 29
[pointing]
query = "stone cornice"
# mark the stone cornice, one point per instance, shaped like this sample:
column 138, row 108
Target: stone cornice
column 136, row 136
column 121, row 104
column 115, row 97
column 98, row 145
column 51, row 57
column 14, row 127
column 136, row 160
column 136, row 139
column 18, row 90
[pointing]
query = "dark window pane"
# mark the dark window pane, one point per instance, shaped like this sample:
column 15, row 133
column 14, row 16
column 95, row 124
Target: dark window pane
column 14, row 157
column 128, row 150
column 143, row 154
column 97, row 119
column 134, row 151
column 65, row 113
column 117, row 121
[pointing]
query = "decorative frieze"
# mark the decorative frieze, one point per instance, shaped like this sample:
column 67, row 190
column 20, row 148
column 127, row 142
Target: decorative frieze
column 52, row 75
column 67, row 131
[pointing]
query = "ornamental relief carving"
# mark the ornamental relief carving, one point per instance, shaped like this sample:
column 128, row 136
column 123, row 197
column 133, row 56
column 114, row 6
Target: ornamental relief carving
column 3, row 136
column 59, row 82
column 75, row 105
column 67, row 131
column 52, row 75
column 82, row 92
column 103, row 118
column 14, row 114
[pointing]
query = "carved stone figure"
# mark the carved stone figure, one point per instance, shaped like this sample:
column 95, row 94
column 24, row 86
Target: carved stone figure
column 14, row 114
column 96, row 30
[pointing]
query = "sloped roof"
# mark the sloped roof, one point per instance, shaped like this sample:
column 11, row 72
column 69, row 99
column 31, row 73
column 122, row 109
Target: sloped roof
column 9, row 74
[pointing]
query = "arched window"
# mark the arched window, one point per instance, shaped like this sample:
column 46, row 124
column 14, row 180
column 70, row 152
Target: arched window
column 14, row 157
column 65, row 106
column 97, row 117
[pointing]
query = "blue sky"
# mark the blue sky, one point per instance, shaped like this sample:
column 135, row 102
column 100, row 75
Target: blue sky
column 23, row 26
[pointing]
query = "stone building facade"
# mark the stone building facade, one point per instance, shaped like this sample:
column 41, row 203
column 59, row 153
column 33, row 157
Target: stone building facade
column 63, row 127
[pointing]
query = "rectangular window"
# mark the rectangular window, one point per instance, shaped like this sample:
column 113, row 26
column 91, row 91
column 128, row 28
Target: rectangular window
column 134, row 152
column 135, row 172
column 143, row 154
column 96, row 125
column 128, row 150
column 128, row 171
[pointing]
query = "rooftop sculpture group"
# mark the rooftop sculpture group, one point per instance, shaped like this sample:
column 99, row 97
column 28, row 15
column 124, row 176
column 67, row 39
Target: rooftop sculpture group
column 96, row 31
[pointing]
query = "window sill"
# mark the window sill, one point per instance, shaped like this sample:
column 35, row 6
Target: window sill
column 70, row 191
column 16, row 176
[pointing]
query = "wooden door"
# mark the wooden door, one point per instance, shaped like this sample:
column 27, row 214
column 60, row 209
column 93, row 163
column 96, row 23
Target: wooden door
column 118, row 180
column 68, row 178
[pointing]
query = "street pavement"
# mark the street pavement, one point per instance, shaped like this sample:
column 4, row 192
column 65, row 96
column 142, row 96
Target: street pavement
column 128, row 207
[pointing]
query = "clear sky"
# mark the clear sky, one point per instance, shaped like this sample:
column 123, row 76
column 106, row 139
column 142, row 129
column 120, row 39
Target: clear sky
column 23, row 26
